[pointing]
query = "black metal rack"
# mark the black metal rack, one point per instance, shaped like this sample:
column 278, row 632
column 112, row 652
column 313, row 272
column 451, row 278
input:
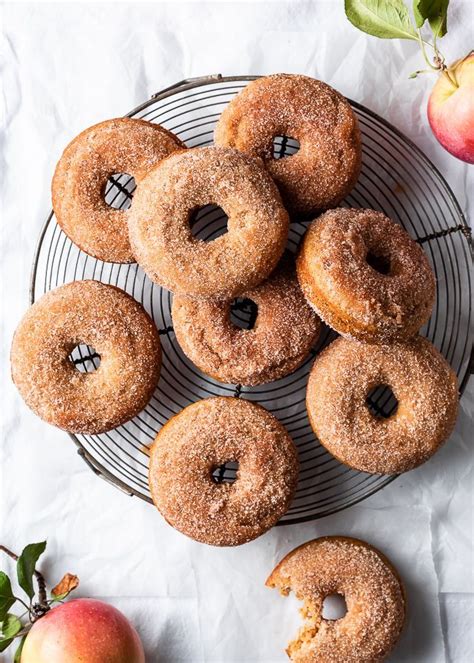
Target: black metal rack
column 396, row 178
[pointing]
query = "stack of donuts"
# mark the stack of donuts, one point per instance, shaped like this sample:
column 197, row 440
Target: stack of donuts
column 356, row 270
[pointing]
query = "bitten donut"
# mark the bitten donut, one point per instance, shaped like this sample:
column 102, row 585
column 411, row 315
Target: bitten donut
column 122, row 145
column 371, row 587
column 365, row 276
column 121, row 332
column 203, row 437
column 284, row 331
column 422, row 382
column 161, row 216
column 327, row 164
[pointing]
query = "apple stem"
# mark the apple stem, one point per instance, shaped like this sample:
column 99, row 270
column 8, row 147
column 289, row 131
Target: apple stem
column 438, row 64
column 43, row 605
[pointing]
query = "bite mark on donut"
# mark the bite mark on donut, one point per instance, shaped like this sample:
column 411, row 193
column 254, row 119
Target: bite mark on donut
column 309, row 613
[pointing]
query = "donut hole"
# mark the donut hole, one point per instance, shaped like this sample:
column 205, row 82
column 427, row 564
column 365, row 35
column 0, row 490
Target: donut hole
column 285, row 146
column 84, row 358
column 118, row 191
column 334, row 607
column 208, row 223
column 225, row 473
column 381, row 401
column 243, row 313
column 378, row 262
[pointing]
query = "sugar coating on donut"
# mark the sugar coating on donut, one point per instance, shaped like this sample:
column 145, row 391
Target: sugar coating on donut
column 122, row 145
column 327, row 165
column 351, row 295
column 206, row 435
column 371, row 587
column 421, row 380
column 121, row 332
column 285, row 330
column 160, row 223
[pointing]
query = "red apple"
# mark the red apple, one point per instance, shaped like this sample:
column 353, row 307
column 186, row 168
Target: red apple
column 451, row 109
column 83, row 630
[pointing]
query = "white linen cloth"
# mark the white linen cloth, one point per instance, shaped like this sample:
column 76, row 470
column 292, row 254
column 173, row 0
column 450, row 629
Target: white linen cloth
column 66, row 66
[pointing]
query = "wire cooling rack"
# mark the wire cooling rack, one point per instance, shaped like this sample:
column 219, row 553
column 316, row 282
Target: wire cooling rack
column 396, row 178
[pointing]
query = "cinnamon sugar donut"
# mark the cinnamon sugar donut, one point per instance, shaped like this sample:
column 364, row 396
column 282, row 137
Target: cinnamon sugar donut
column 160, row 228
column 116, row 326
column 373, row 591
column 421, row 380
column 205, row 436
column 284, row 331
column 327, row 165
column 122, row 145
column 365, row 276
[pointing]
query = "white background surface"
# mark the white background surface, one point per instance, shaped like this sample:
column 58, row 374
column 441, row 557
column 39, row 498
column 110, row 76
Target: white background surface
column 67, row 66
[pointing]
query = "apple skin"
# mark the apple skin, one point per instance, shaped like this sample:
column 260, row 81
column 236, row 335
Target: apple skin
column 451, row 109
column 83, row 631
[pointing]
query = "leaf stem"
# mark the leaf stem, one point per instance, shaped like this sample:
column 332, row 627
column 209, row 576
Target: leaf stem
column 24, row 614
column 25, row 605
column 422, row 43
column 420, row 71
column 42, row 594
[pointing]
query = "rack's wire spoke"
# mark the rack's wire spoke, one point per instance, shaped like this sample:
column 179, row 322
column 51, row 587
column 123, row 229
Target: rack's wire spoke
column 444, row 233
column 396, row 178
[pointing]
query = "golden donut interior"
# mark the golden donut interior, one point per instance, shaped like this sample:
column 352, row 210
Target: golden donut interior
column 311, row 612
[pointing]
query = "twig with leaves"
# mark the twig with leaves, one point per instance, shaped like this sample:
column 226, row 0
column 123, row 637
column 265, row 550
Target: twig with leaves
column 37, row 604
column 390, row 19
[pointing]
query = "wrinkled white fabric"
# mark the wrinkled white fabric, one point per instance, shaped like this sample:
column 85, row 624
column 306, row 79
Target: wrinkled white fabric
column 66, row 66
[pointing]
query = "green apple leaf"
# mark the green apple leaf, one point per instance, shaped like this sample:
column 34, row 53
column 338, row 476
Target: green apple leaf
column 11, row 626
column 6, row 595
column 433, row 11
column 26, row 564
column 17, row 657
column 387, row 19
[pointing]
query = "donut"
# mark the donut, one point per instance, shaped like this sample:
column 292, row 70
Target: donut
column 123, row 145
column 122, row 334
column 161, row 216
column 422, row 382
column 372, row 589
column 365, row 276
column 285, row 329
column 203, row 437
column 327, row 164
